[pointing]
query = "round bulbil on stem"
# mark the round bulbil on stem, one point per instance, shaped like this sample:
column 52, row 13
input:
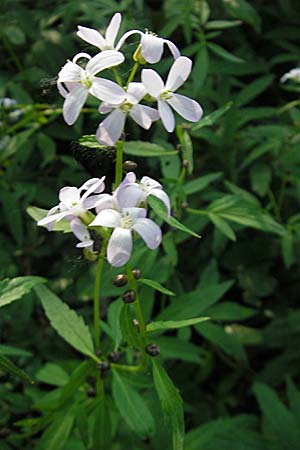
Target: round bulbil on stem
column 129, row 296
column 120, row 280
column 152, row 349
column 136, row 273
column 129, row 166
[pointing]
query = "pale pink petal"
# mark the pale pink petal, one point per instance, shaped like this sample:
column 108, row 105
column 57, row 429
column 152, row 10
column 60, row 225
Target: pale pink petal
column 86, row 244
column 73, row 104
column 97, row 183
column 149, row 183
column 69, row 196
column 104, row 60
column 134, row 213
column 105, row 108
column 119, row 247
column 152, row 47
column 107, row 91
column 139, row 114
column 79, row 230
column 70, row 72
column 91, row 36
column 173, row 49
column 129, row 195
column 137, row 90
column 186, row 107
column 66, row 87
column 93, row 200
column 163, row 197
column 125, row 36
column 166, row 115
column 179, row 72
column 105, row 202
column 152, row 82
column 149, row 232
column 113, row 29
column 53, row 218
column 107, row 218
column 110, row 130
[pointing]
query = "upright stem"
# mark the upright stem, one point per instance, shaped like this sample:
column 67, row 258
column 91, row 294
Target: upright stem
column 97, row 295
column 117, row 76
column 132, row 73
column 119, row 164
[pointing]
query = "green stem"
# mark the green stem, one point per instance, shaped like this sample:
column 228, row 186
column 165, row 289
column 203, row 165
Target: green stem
column 119, row 164
column 117, row 76
column 138, row 312
column 132, row 73
column 125, row 368
column 97, row 294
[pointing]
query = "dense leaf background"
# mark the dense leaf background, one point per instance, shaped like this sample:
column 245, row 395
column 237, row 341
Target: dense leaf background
column 239, row 372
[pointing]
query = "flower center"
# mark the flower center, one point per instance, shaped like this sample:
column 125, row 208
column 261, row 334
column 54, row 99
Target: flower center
column 86, row 82
column 166, row 95
column 127, row 221
column 126, row 107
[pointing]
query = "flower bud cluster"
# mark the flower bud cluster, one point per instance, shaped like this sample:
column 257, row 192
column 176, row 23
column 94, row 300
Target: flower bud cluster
column 124, row 211
column 75, row 83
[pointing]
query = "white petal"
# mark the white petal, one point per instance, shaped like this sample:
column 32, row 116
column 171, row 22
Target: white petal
column 137, row 90
column 113, row 29
column 163, row 197
column 150, row 184
column 104, row 60
column 119, row 247
column 105, row 202
column 107, row 218
column 140, row 115
column 66, row 87
column 152, row 47
column 110, row 130
column 149, row 231
column 106, row 108
column 134, row 213
column 173, row 49
column 166, row 115
column 93, row 200
column 69, row 196
column 179, row 72
column 186, row 107
column 73, row 104
column 86, row 244
column 129, row 195
column 81, row 55
column 91, row 36
column 70, row 72
column 152, row 82
column 125, row 36
column 97, row 183
column 79, row 230
column 48, row 220
column 107, row 91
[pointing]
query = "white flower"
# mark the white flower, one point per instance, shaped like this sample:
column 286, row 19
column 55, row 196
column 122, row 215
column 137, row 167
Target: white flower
column 110, row 130
column 131, row 193
column 81, row 82
column 73, row 203
column 124, row 223
column 82, row 234
column 293, row 74
column 164, row 93
column 152, row 46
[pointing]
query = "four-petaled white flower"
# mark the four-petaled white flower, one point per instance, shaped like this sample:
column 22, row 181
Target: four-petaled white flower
column 152, row 46
column 80, row 82
column 130, row 193
column 82, row 234
column 164, row 93
column 293, row 75
column 110, row 130
column 73, row 203
column 124, row 223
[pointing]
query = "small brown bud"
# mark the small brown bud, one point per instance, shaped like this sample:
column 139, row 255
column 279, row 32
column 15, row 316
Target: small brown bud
column 179, row 147
column 136, row 273
column 129, row 166
column 136, row 324
column 184, row 205
column 185, row 163
column 152, row 349
column 120, row 280
column 103, row 367
column 91, row 392
column 129, row 297
column 114, row 356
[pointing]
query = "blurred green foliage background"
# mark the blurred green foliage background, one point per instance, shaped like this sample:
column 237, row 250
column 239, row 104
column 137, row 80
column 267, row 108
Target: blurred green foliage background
column 239, row 374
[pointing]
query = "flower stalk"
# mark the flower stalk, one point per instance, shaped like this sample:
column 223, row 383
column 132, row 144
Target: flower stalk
column 97, row 288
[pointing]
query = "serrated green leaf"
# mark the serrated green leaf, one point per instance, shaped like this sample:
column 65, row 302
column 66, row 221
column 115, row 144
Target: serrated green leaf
column 146, row 149
column 129, row 331
column 8, row 350
column 10, row 367
column 155, row 285
column 102, row 433
column 224, row 54
column 211, row 119
column 174, row 324
column 171, row 403
column 198, row 184
column 52, row 374
column 253, row 89
column 132, row 407
column 223, row 226
column 241, row 9
column 39, row 213
column 56, row 435
column 222, row 24
column 14, row 289
column 68, row 324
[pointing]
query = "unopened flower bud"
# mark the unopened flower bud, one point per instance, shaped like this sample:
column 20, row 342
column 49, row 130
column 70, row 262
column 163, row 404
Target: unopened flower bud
column 136, row 273
column 129, row 297
column 120, row 280
column 152, row 349
column 138, row 57
column 129, row 166
column 114, row 356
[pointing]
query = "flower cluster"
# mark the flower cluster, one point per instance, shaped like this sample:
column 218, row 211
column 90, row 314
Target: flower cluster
column 124, row 211
column 75, row 83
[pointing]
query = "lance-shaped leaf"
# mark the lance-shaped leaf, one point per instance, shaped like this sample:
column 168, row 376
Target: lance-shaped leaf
column 10, row 367
column 171, row 403
column 68, row 324
column 174, row 324
column 11, row 290
column 155, row 285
